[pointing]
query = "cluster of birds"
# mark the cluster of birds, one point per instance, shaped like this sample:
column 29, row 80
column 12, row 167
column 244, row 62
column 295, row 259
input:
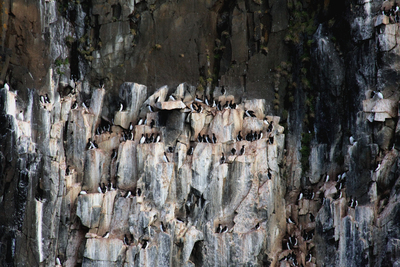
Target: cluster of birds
column 105, row 188
column 44, row 99
column 392, row 12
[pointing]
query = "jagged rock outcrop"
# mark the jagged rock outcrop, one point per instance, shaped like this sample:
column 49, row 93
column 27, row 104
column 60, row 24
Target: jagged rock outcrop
column 320, row 189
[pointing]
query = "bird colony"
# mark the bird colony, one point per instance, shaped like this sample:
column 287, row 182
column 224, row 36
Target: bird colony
column 165, row 180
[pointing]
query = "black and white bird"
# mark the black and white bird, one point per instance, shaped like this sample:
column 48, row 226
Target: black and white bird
column 327, row 178
column 165, row 158
column 130, row 126
column 199, row 138
column 99, row 189
column 142, row 139
column 232, row 105
column 20, row 115
column 46, row 98
column 214, row 138
column 233, row 151
column 249, row 113
column 74, row 105
column 300, row 196
column 219, row 229
column 82, row 193
column 239, row 137
column 58, row 262
column 106, row 235
column 7, row 87
column 162, row 227
column 225, row 229
column 290, row 220
column 223, row 90
column 42, row 99
column 92, row 145
column 114, row 154
column 172, row 98
column 152, row 123
column 158, row 139
column 270, row 127
column 121, row 107
column 352, row 140
column 190, row 151
column 222, row 160
column 140, row 122
column 257, row 226
column 378, row 94
column 269, row 174
column 198, row 99
column 241, row 151
column 126, row 240
column 150, row 108
column 219, row 106
column 128, row 194
column 206, row 101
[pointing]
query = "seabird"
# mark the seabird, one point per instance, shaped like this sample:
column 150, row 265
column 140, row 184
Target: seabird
column 162, row 227
column 206, row 101
column 208, row 138
column 42, row 100
column 106, row 235
column 192, row 107
column 121, row 106
column 150, row 108
column 172, row 98
column 327, row 178
column 128, row 194
column 379, row 95
column 199, row 138
column 58, row 262
column 67, row 171
column 233, row 151
column 144, row 246
column 200, row 109
column 84, row 106
column 99, row 189
column 139, row 192
column 271, row 140
column 312, row 217
column 223, row 91
column 265, row 120
column 260, row 135
column 239, row 137
column 158, row 138
column 151, row 138
column 257, row 226
column 288, row 245
column 145, row 122
column 270, row 127
column 152, row 123
column 214, row 138
column 232, row 105
column 226, row 106
column 300, row 196
column 130, row 126
column 140, row 122
column 222, row 160
column 170, row 149
column 190, row 151
column 308, row 257
column 225, row 229
column 241, row 150
column 219, row 229
column 91, row 144
column 82, row 193
column 289, row 220
column 219, row 106
column 7, row 87
column 131, row 136
column 198, row 99
column 126, row 240
column 269, row 174
column 142, row 139
column 47, row 99
column 165, row 157
column 75, row 105
column 378, row 168
column 351, row 140
column 214, row 104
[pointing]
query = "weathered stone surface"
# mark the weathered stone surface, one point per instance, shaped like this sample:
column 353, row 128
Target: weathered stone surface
column 104, row 249
column 89, row 209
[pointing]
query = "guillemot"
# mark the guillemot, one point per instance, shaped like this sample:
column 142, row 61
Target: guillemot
column 241, row 150
column 222, row 160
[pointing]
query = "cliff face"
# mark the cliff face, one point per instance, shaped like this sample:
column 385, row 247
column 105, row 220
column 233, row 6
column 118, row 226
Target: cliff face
column 318, row 189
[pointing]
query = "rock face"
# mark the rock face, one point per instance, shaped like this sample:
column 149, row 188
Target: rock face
column 110, row 156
